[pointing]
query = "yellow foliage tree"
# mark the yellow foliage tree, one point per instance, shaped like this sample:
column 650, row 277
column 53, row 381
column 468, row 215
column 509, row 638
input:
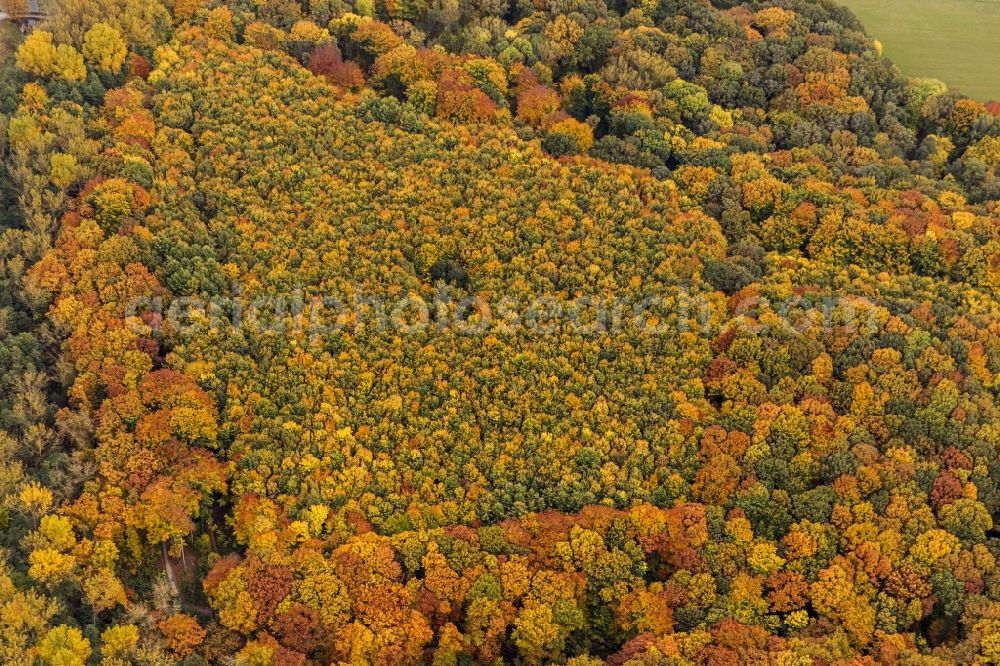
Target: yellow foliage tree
column 579, row 135
column 49, row 566
column 69, row 64
column 58, row 531
column 64, row 170
column 34, row 499
column 119, row 640
column 104, row 48
column 37, row 54
column 103, row 591
column 64, row 646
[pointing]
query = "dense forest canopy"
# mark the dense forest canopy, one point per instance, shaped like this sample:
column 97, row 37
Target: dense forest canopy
column 453, row 332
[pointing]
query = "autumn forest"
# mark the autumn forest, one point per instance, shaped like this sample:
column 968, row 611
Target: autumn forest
column 453, row 332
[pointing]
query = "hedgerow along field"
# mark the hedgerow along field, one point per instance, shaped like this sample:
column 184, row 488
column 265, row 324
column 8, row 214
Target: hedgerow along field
column 952, row 40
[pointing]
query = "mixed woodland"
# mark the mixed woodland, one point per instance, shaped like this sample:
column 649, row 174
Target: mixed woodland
column 724, row 488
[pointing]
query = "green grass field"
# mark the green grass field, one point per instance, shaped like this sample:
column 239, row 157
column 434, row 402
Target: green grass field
column 957, row 41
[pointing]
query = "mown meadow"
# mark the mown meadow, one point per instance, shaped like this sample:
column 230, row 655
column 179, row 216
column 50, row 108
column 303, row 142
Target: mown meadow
column 952, row 40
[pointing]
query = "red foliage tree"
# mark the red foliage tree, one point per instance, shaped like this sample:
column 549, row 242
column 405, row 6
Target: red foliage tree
column 460, row 101
column 299, row 629
column 327, row 61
